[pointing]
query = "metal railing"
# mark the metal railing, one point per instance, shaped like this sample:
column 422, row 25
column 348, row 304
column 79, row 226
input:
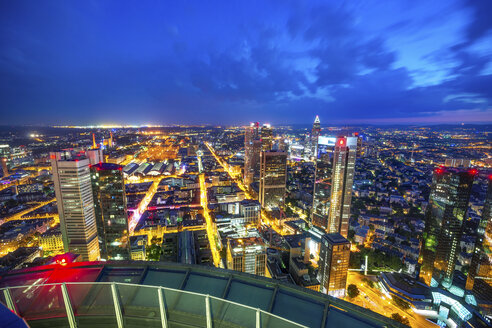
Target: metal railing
column 122, row 304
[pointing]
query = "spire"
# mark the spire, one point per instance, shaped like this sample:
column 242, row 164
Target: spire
column 316, row 120
column 94, row 145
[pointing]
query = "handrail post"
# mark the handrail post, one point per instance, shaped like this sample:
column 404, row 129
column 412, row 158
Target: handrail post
column 258, row 318
column 117, row 307
column 68, row 306
column 162, row 308
column 207, row 311
column 9, row 301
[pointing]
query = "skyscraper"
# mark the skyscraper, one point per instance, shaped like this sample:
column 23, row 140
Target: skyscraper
column 315, row 132
column 247, row 255
column 108, row 186
column 252, row 148
column 95, row 155
column 334, row 259
column 448, row 203
column 273, row 178
column 481, row 263
column 73, row 190
column 266, row 136
column 332, row 196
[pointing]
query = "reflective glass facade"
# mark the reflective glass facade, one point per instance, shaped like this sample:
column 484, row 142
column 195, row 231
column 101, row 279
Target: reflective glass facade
column 334, row 259
column 448, row 203
column 332, row 196
column 273, row 179
column 108, row 188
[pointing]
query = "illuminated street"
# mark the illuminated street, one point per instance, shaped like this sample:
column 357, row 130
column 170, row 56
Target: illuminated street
column 374, row 299
column 211, row 228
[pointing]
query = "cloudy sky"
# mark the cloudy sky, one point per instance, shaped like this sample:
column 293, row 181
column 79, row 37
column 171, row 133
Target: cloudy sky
column 231, row 62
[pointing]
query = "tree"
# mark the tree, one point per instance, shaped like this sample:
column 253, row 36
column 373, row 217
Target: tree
column 369, row 282
column 399, row 318
column 352, row 291
column 404, row 305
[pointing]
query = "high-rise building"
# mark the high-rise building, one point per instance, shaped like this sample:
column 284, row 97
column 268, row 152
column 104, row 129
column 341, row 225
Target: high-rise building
column 5, row 170
column 73, row 190
column 334, row 259
column 252, row 149
column 108, row 186
column 273, row 179
column 247, row 255
column 95, row 156
column 266, row 136
column 448, row 203
column 332, row 196
column 481, row 263
column 315, row 132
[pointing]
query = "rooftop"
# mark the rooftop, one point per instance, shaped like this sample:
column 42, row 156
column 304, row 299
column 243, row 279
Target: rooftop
column 182, row 295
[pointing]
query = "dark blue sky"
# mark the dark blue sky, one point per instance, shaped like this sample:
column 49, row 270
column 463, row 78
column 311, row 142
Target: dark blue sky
column 134, row 62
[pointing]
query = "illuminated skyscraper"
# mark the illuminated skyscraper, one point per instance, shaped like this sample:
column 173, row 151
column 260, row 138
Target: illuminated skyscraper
column 481, row 263
column 95, row 156
column 266, row 136
column 5, row 169
column 334, row 259
column 314, row 136
column 273, row 178
column 73, row 190
column 448, row 203
column 332, row 197
column 252, row 148
column 247, row 255
column 108, row 188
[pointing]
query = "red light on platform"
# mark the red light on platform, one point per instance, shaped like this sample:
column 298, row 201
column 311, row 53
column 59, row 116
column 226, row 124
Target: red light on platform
column 439, row 171
column 473, row 171
column 341, row 142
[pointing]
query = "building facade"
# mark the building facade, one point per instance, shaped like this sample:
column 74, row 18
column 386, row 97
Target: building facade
column 481, row 263
column 252, row 149
column 334, row 176
column 73, row 190
column 315, row 132
column 108, row 186
column 334, row 259
column 266, row 137
column 247, row 255
column 273, row 179
column 448, row 203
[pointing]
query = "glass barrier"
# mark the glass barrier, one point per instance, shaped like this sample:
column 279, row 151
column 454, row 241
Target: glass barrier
column 93, row 305
column 185, row 308
column 139, row 305
column 270, row 321
column 92, row 299
column 39, row 302
column 224, row 313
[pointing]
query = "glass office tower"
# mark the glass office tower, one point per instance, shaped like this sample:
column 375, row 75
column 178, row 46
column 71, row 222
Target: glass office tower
column 448, row 203
column 334, row 176
column 334, row 259
column 72, row 181
column 252, row 149
column 273, row 179
column 109, row 195
column 481, row 263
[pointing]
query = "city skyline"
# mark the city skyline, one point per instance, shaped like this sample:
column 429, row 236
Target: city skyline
column 257, row 163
